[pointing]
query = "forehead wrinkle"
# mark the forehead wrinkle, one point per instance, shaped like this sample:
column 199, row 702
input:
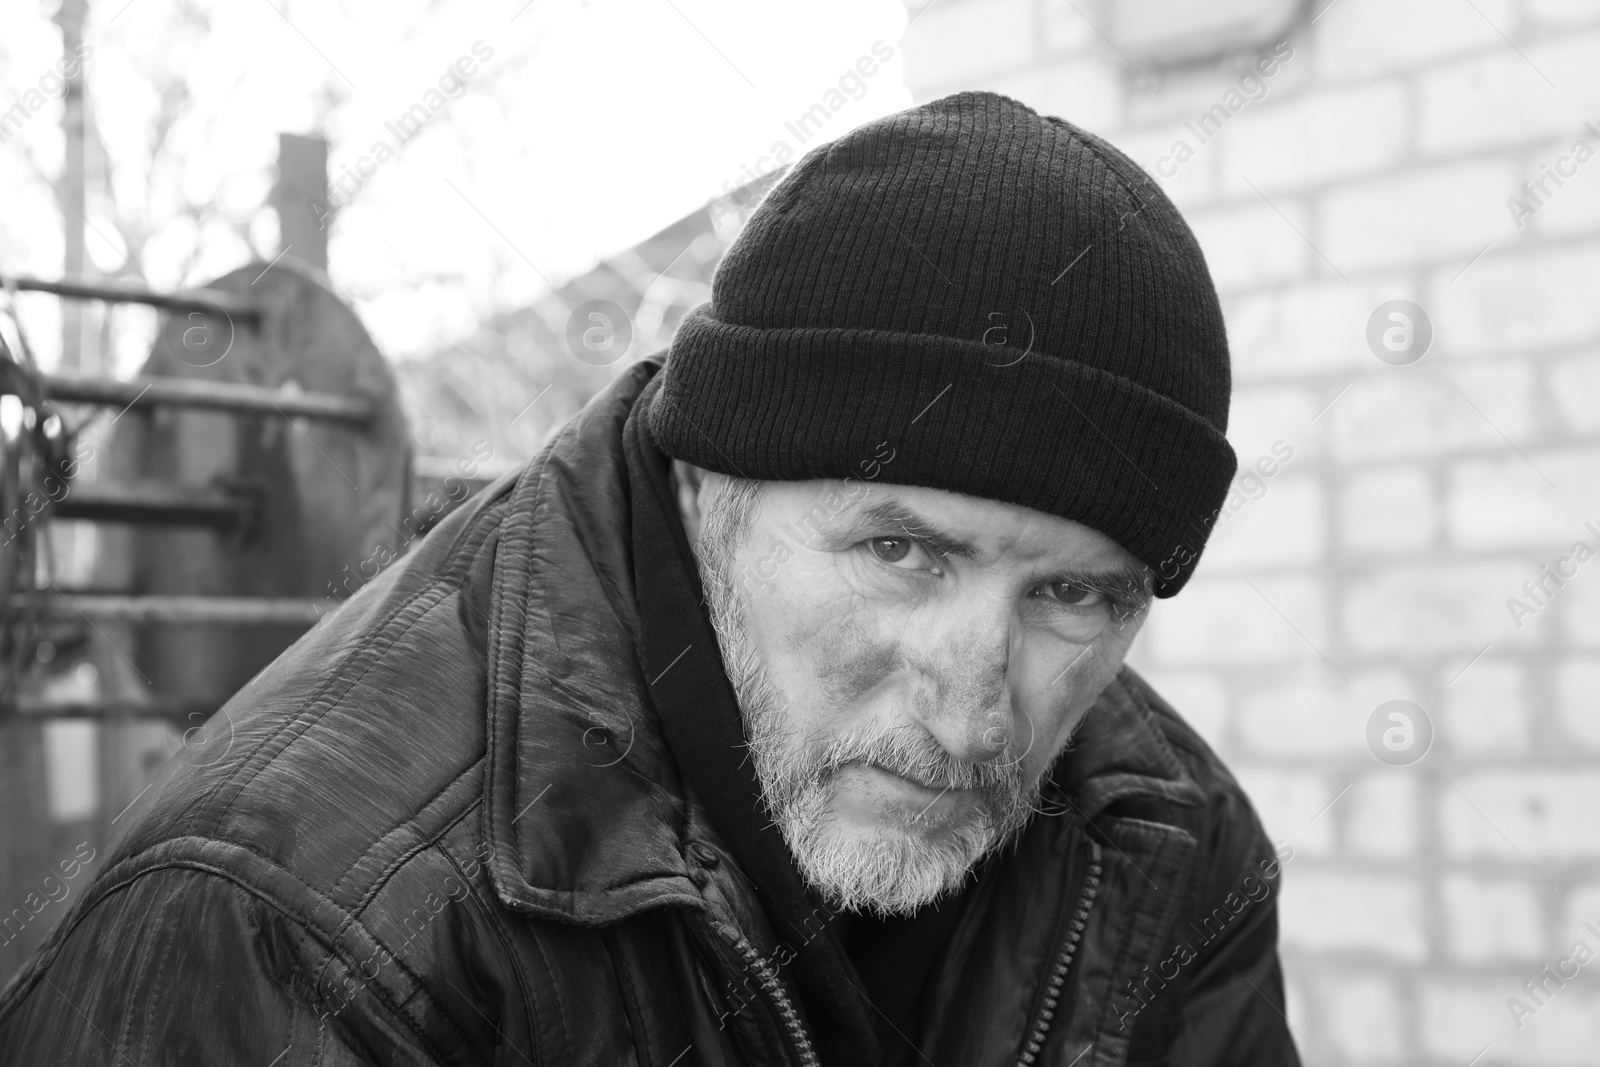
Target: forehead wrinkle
column 1029, row 518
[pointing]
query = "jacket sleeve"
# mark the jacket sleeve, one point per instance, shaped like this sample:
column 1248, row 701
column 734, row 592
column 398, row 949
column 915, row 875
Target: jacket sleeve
column 180, row 966
column 1233, row 1014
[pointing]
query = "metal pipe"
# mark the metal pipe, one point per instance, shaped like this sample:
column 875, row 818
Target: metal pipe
column 151, row 503
column 220, row 396
column 191, row 712
column 168, row 610
column 232, row 304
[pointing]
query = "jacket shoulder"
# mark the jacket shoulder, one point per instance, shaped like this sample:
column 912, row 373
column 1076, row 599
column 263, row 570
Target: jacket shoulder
column 363, row 742
column 1228, row 917
column 1231, row 838
column 341, row 987
column 1196, row 755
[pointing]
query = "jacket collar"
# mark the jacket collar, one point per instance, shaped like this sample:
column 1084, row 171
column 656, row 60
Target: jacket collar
column 584, row 808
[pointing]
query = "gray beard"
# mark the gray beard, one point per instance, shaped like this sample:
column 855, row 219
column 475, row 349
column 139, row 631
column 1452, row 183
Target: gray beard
column 896, row 868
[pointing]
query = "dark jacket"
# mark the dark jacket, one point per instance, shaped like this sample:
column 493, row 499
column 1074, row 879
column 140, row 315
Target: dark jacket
column 448, row 831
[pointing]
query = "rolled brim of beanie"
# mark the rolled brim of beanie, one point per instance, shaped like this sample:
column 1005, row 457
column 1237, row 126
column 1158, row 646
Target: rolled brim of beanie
column 1038, row 431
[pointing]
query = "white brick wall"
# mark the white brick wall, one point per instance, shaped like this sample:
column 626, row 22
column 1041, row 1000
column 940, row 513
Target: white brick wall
column 1513, row 815
column 1283, row 528
column 1296, row 142
column 1303, row 330
column 1382, row 555
column 1378, row 816
column 1299, row 713
column 1423, row 606
column 1432, row 214
column 1361, row 37
column 1489, row 715
column 1226, row 621
column 1500, row 503
column 952, row 42
column 1458, row 1019
column 1506, row 304
column 1577, row 690
column 1388, row 510
column 1489, row 920
column 1494, row 98
column 1369, row 913
column 1251, row 243
column 1574, row 383
column 1365, row 1018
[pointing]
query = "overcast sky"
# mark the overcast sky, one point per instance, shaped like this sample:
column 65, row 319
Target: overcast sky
column 581, row 128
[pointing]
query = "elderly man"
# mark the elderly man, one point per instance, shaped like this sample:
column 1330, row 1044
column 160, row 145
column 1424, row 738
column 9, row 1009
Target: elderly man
column 774, row 714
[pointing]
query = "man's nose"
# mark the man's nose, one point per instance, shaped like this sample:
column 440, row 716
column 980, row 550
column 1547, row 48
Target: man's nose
column 989, row 732
column 974, row 731
column 970, row 715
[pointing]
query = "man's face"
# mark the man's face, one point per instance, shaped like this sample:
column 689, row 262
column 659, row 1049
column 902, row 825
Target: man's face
column 909, row 663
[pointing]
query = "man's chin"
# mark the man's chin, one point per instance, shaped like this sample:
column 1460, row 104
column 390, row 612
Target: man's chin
column 861, row 858
column 887, row 872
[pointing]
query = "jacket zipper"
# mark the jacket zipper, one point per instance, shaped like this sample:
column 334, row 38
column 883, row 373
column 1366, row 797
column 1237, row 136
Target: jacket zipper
column 769, row 982
column 1064, row 956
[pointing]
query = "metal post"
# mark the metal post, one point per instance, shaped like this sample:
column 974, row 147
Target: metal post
column 71, row 17
column 177, row 610
column 218, row 396
column 210, row 301
column 152, row 503
column 302, row 182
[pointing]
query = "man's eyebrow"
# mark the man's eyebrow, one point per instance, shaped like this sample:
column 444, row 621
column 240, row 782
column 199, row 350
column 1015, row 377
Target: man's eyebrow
column 894, row 515
column 1126, row 582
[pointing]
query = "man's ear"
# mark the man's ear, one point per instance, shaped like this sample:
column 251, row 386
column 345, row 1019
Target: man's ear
column 687, row 481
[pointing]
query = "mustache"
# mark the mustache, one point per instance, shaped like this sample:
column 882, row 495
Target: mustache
column 911, row 753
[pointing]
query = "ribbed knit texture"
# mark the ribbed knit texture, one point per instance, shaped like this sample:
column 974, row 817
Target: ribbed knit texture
column 1004, row 298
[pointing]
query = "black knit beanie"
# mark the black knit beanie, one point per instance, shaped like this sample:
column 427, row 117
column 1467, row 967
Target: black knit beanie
column 1005, row 299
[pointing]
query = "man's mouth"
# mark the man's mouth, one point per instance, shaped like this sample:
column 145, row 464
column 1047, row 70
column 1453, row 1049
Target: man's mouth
column 936, row 785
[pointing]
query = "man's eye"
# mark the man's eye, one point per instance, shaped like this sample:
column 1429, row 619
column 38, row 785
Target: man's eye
column 1070, row 593
column 901, row 552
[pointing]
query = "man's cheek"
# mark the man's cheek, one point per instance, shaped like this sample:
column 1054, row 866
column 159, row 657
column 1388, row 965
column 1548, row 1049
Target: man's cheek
column 1059, row 683
column 798, row 614
column 824, row 646
column 1039, row 730
column 849, row 657
column 1039, row 711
